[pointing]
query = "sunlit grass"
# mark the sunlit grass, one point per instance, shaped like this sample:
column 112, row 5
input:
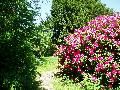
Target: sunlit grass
column 49, row 63
column 59, row 84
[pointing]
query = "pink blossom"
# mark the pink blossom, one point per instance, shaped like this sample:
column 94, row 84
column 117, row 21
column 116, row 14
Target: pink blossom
column 100, row 37
column 112, row 18
column 73, row 44
column 109, row 30
column 105, row 37
column 62, row 48
column 114, row 65
column 56, row 53
column 108, row 74
column 76, row 60
column 106, row 63
column 110, row 86
column 101, row 66
column 112, row 79
column 95, row 44
column 77, row 53
column 97, row 69
column 67, row 57
column 91, row 51
column 87, row 47
column 113, row 35
column 118, row 43
column 93, row 59
column 118, row 31
column 114, row 71
column 88, row 37
column 118, row 71
column 67, row 66
column 82, row 55
column 77, row 56
column 113, row 25
column 94, row 78
column 110, row 58
column 100, row 58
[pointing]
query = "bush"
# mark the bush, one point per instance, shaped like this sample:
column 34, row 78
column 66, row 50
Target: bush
column 41, row 42
column 18, row 67
column 17, row 61
column 47, row 47
column 93, row 49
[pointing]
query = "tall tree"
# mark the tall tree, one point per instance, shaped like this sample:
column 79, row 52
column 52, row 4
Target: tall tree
column 17, row 62
column 70, row 14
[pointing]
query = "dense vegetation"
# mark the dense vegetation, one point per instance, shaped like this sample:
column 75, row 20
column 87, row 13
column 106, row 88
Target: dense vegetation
column 17, row 61
column 68, row 15
column 22, row 43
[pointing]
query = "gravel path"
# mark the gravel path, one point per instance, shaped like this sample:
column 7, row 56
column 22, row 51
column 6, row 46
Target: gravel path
column 47, row 78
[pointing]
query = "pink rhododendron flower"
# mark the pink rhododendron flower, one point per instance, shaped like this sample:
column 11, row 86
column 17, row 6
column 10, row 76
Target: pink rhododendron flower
column 110, row 58
column 88, row 37
column 113, row 35
column 77, row 53
column 94, row 78
column 87, row 47
column 76, row 59
column 110, row 86
column 118, row 71
column 97, row 69
column 114, row 65
column 118, row 43
column 106, row 63
column 109, row 74
column 112, row 79
column 114, row 71
column 100, row 58
column 91, row 51
column 105, row 37
column 95, row 44
column 100, row 66
column 67, row 57
column 77, row 56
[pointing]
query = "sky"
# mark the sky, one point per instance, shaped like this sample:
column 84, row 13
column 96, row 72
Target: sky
column 115, row 4
column 46, row 7
column 45, row 10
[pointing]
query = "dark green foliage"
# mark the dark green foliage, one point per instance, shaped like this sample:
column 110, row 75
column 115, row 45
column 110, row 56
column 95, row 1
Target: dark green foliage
column 17, row 61
column 68, row 15
column 42, row 41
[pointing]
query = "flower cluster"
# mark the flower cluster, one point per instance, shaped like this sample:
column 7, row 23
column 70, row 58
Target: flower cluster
column 94, row 49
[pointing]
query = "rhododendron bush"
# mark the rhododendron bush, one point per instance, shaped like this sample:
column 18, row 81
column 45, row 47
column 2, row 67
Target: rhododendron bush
column 93, row 49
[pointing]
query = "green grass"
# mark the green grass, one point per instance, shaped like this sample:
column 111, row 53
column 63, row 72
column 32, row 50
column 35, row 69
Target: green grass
column 48, row 64
column 58, row 84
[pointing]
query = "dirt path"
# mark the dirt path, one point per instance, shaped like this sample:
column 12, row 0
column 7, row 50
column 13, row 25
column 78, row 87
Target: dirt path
column 47, row 73
column 47, row 79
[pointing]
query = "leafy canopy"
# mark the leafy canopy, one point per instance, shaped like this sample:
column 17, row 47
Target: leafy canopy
column 68, row 15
